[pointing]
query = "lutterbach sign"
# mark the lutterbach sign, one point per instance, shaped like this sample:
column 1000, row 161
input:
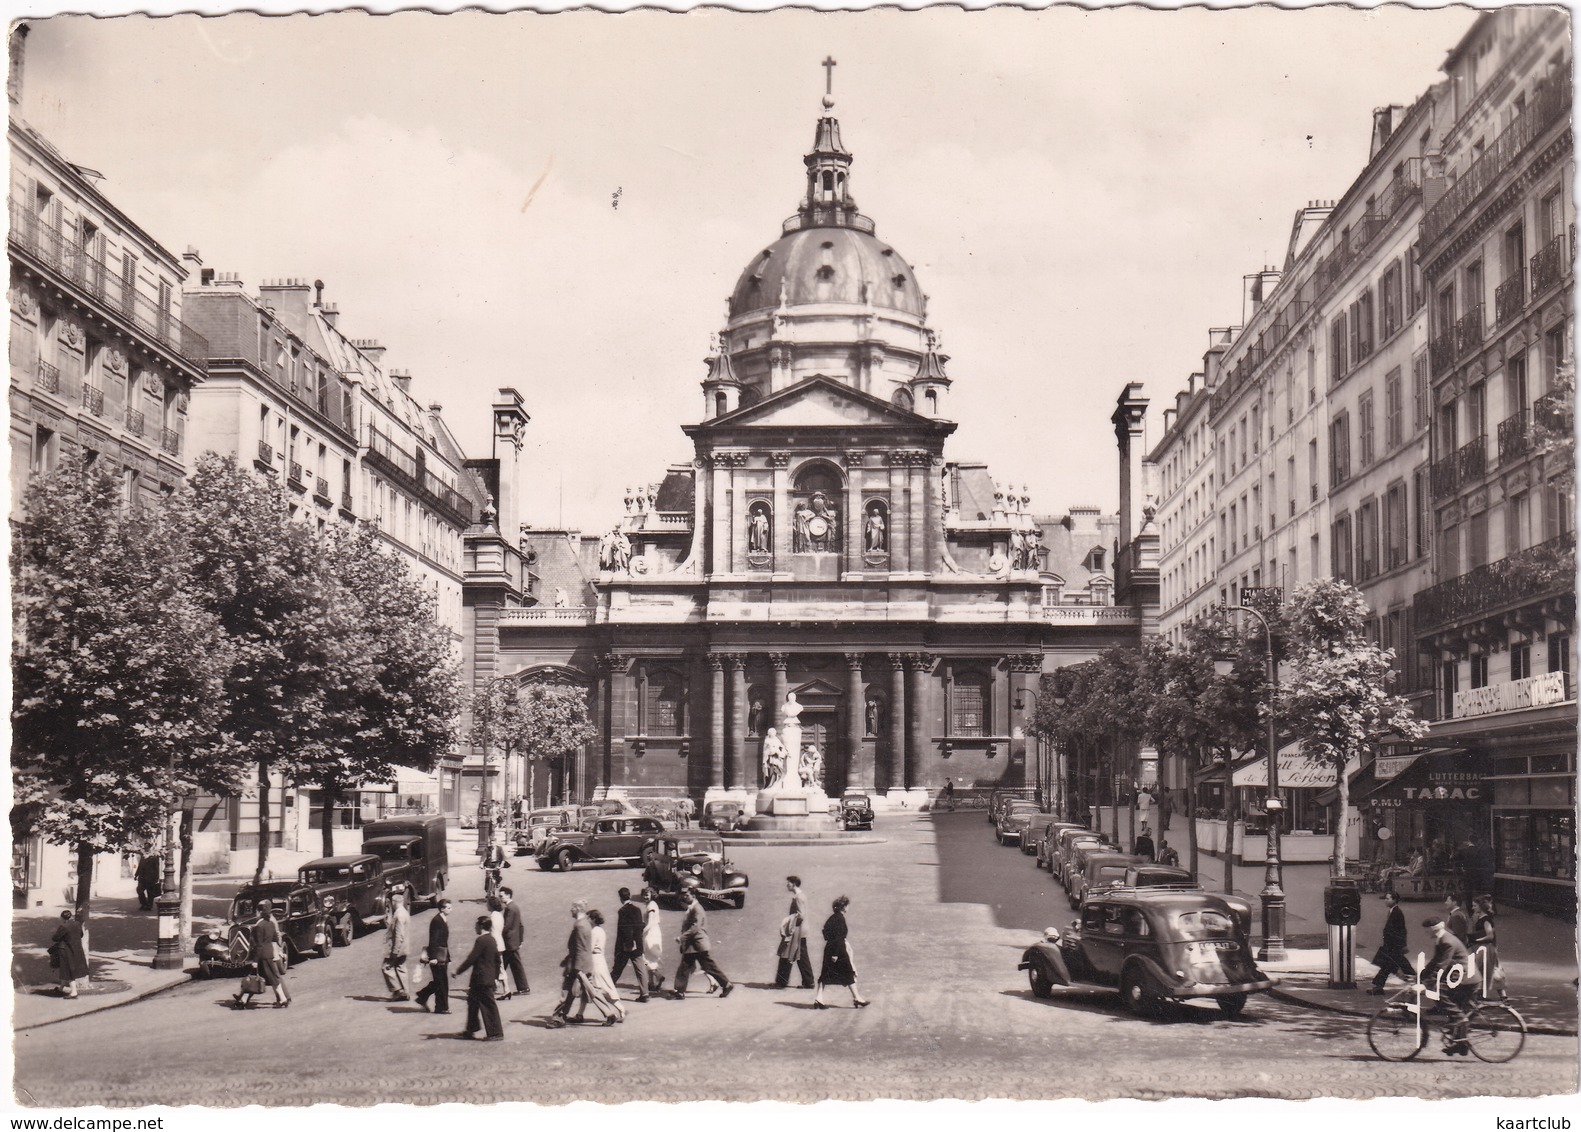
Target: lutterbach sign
column 1445, row 776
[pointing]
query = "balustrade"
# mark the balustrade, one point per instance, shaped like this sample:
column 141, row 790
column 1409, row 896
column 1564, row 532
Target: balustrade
column 170, row 441
column 93, row 399
column 1515, row 436
column 48, row 378
column 1548, row 266
column 1509, row 299
column 1529, row 575
column 134, row 422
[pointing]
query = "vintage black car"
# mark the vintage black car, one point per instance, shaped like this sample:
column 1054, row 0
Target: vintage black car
column 856, row 811
column 1154, row 946
column 720, row 815
column 537, row 826
column 304, row 925
column 354, row 890
column 1100, row 871
column 1014, row 821
column 674, row 858
column 1002, row 797
column 620, row 838
column 1048, row 842
column 1159, row 876
column 1073, row 859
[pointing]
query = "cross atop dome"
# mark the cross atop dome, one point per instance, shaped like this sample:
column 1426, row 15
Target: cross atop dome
column 828, row 203
column 828, row 66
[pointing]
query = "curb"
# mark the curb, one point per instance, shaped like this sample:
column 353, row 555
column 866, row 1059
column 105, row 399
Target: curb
column 1313, row 1004
column 186, row 977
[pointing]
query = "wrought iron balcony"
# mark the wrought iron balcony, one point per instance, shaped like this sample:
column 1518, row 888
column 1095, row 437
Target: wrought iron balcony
column 1468, row 332
column 134, row 422
column 345, row 500
column 266, row 453
column 1441, row 352
column 93, row 399
column 321, row 488
column 1509, row 299
column 1543, row 571
column 170, row 441
column 1466, row 465
column 1548, row 266
column 295, row 473
column 32, row 235
column 1550, row 104
column 48, row 377
column 1515, row 433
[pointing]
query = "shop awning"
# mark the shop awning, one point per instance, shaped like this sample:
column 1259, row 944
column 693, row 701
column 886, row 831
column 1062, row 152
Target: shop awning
column 1296, row 771
column 1433, row 777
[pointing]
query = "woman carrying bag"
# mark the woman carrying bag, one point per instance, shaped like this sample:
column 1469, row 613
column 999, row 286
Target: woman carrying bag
column 66, row 954
column 269, row 957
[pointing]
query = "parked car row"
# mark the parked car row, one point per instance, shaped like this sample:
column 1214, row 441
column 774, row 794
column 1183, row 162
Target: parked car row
column 332, row 899
column 1150, row 931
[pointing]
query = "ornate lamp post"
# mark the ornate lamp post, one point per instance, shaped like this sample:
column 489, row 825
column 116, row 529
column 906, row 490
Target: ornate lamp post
column 1273, row 893
column 1040, row 779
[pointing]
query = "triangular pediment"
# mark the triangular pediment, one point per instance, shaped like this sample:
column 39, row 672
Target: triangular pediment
column 820, row 402
column 816, row 688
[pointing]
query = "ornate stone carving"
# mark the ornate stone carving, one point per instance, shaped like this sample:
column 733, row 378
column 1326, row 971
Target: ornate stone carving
column 779, row 459
column 855, row 458
column 853, row 660
column 715, row 661
column 998, row 563
column 732, row 458
column 920, row 661
column 779, row 661
column 115, row 361
column 640, row 564
column 183, row 402
column 1518, row 480
column 154, row 384
column 735, row 661
column 1477, row 501
column 22, row 302
column 71, row 333
column 909, row 458
column 1025, row 662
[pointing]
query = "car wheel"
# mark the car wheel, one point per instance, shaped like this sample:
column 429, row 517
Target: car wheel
column 1138, row 995
column 346, row 930
column 564, row 859
column 323, row 949
column 1042, row 985
column 545, row 863
column 740, row 899
column 1231, row 1005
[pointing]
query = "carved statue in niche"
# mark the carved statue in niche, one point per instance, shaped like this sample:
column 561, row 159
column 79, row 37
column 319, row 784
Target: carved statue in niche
column 614, row 551
column 1034, row 538
column 755, row 717
column 823, row 526
column 1018, row 550
column 760, row 536
column 876, row 534
column 875, row 717
column 802, row 538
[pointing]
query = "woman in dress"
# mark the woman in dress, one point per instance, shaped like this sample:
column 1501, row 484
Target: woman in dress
column 497, row 930
column 67, row 954
column 1490, row 975
column 652, row 940
column 268, row 955
column 603, row 984
column 839, row 970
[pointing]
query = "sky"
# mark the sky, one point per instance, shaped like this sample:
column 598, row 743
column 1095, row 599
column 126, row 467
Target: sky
column 561, row 203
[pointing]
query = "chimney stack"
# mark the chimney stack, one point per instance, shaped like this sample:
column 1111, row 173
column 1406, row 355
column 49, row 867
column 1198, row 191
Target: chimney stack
column 330, row 313
column 371, row 348
column 403, row 380
column 18, row 64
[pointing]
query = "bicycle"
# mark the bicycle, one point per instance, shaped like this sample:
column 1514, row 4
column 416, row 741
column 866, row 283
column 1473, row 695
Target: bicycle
column 1495, row 1031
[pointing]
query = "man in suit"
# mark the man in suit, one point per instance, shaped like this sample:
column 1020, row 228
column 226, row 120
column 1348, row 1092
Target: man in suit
column 628, row 944
column 1391, row 958
column 1455, row 918
column 484, row 963
column 695, row 946
column 437, row 956
column 793, row 940
column 1144, row 843
column 513, row 932
column 578, row 967
column 1450, row 964
column 397, row 941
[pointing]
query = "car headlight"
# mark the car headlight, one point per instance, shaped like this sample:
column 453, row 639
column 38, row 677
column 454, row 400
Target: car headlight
column 1051, row 934
column 329, row 903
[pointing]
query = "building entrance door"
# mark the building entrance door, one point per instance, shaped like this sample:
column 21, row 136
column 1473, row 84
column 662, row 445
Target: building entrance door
column 818, row 730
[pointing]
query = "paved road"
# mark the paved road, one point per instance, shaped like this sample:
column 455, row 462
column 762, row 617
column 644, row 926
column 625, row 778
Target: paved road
column 939, row 915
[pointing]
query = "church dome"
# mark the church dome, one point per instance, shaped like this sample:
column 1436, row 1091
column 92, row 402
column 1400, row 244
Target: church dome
column 827, row 265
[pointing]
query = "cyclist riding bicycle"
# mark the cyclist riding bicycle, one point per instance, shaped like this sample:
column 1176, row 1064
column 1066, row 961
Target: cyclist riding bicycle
column 493, row 861
column 1449, row 973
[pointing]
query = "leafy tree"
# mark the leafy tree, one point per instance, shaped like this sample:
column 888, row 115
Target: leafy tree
column 393, row 687
column 1337, row 699
column 118, row 670
column 264, row 577
column 539, row 720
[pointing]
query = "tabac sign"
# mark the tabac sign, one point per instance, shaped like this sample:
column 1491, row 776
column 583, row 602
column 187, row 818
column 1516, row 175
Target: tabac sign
column 1513, row 695
column 1442, row 777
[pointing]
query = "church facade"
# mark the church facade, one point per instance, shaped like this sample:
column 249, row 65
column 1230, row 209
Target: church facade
column 821, row 541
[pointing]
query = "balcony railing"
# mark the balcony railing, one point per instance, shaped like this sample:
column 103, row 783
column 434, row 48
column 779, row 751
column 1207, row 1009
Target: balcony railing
column 48, row 378
column 1529, row 575
column 1551, row 103
column 93, row 400
column 321, row 488
column 134, row 422
column 170, row 441
column 1509, row 299
column 1468, row 332
column 1441, row 352
column 33, row 235
column 1466, row 465
column 1444, row 479
column 1548, row 266
column 295, row 472
column 345, row 500
column 266, row 453
column 1515, row 432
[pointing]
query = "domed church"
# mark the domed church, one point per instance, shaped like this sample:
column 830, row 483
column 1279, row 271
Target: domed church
column 821, row 542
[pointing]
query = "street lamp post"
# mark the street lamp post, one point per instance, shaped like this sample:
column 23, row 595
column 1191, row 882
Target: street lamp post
column 1039, row 780
column 1273, row 893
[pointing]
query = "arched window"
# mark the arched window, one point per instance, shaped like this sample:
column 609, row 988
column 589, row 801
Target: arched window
column 719, row 404
column 902, row 397
column 828, row 182
column 666, row 704
column 932, row 399
column 969, row 704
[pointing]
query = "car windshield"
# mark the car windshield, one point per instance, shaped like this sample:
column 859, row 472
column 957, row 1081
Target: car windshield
column 710, row 847
column 391, row 851
column 1203, row 923
column 549, row 817
column 324, row 875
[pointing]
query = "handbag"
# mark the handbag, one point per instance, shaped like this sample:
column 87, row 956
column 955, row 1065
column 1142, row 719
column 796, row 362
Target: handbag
column 252, row 984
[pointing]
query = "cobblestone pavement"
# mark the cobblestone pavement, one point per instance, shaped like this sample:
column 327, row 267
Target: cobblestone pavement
column 939, row 915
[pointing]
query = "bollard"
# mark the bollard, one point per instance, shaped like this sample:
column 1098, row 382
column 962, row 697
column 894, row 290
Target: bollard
column 1341, row 957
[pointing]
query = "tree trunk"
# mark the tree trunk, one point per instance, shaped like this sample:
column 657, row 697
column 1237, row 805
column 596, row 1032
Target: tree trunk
column 1341, row 820
column 1114, row 793
column 532, row 782
column 332, row 796
column 261, row 873
column 1191, row 806
column 85, row 898
column 184, row 876
column 1136, row 783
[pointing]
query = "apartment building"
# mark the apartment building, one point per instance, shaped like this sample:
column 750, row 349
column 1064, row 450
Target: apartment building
column 1497, row 251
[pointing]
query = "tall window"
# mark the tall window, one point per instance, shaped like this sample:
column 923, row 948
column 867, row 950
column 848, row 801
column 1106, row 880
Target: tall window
column 1312, row 472
column 969, row 704
column 1517, row 522
column 1337, row 345
column 1397, row 527
column 666, row 703
column 46, row 450
column 1393, row 300
column 1424, row 513
column 1290, row 481
column 1393, row 410
column 1517, row 393
column 1364, row 430
column 1559, row 504
column 1449, row 684
column 1553, row 354
column 1449, row 552
column 1367, row 539
column 1361, row 328
column 1477, row 540
column 1477, row 410
column 1479, row 670
column 1415, row 293
column 1341, row 550
column 1520, row 661
column 1339, row 450
column 1421, row 402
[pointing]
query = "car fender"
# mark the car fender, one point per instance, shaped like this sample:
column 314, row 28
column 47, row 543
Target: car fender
column 1163, row 981
column 1049, row 957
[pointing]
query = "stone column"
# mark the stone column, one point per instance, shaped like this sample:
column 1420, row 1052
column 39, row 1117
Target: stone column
column 719, row 544
column 858, row 769
column 917, row 743
column 916, row 507
column 736, row 740
column 853, row 511
column 999, row 701
column 899, row 549
column 716, row 721
column 782, row 519
column 895, row 771
column 780, row 661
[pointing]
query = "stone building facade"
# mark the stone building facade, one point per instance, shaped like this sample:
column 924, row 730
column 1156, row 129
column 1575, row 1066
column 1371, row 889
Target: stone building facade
column 822, row 541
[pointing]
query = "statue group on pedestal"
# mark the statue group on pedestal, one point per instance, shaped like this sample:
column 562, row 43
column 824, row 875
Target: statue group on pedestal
column 614, row 551
column 817, row 525
column 1024, row 549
